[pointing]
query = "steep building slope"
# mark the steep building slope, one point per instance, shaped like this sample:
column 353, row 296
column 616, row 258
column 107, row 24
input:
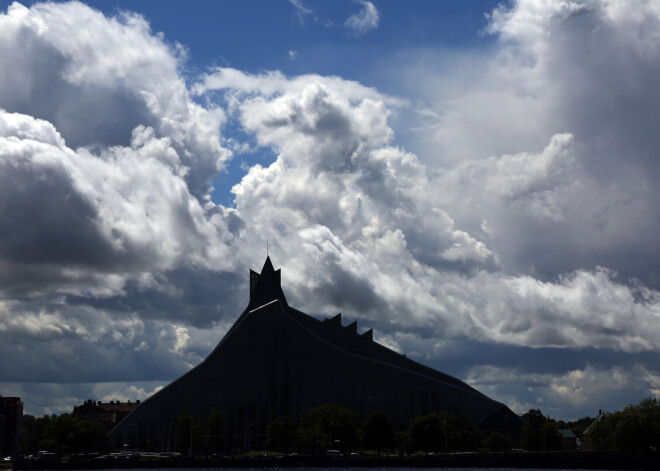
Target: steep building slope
column 277, row 361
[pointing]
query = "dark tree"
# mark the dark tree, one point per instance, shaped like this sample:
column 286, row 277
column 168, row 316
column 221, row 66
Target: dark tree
column 531, row 432
column 461, row 434
column 63, row 434
column 215, row 427
column 498, row 442
column 637, row 428
column 282, row 434
column 426, row 433
column 38, row 434
column 649, row 413
column 49, row 439
column 441, row 432
column 188, row 435
column 328, row 425
column 550, row 437
column 629, row 435
column 32, row 434
column 378, row 432
column 540, row 433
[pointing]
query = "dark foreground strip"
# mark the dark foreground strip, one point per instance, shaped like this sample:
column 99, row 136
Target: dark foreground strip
column 549, row 460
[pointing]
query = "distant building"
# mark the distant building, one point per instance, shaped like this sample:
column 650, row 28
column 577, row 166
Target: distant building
column 593, row 435
column 569, row 440
column 277, row 361
column 11, row 425
column 109, row 413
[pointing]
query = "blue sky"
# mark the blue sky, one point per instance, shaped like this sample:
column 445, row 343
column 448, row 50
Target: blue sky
column 282, row 38
column 476, row 181
column 256, row 36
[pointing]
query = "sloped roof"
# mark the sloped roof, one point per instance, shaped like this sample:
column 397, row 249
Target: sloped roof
column 594, row 425
column 567, row 433
column 267, row 299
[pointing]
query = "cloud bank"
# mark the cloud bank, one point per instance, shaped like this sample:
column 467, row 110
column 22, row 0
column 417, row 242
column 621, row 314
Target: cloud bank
column 524, row 220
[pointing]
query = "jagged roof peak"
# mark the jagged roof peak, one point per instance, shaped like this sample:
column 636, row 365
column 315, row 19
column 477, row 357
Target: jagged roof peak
column 268, row 266
column 265, row 286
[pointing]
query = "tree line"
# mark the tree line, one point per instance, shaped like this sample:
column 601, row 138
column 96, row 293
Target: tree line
column 330, row 426
column 65, row 434
column 634, row 430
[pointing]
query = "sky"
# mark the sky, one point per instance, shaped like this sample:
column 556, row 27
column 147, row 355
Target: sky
column 476, row 181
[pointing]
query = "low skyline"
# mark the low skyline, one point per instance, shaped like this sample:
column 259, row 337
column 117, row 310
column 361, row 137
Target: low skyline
column 476, row 181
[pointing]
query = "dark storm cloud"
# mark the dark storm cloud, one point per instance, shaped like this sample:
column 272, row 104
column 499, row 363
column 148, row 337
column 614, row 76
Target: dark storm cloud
column 565, row 383
column 93, row 222
column 581, row 69
column 55, row 342
column 85, row 116
column 64, row 228
column 349, row 292
column 108, row 257
column 193, row 296
column 458, row 356
column 133, row 338
column 385, row 222
column 74, row 67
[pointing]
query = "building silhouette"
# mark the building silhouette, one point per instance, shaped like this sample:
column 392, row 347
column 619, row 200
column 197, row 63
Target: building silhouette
column 108, row 413
column 11, row 425
column 278, row 361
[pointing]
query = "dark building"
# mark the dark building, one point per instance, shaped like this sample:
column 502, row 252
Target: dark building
column 108, row 413
column 277, row 361
column 11, row 425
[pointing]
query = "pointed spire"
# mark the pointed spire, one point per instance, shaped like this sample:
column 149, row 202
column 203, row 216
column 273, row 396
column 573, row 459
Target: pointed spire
column 268, row 266
column 266, row 286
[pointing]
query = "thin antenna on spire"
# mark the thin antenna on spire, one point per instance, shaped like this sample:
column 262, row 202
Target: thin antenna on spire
column 266, row 247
